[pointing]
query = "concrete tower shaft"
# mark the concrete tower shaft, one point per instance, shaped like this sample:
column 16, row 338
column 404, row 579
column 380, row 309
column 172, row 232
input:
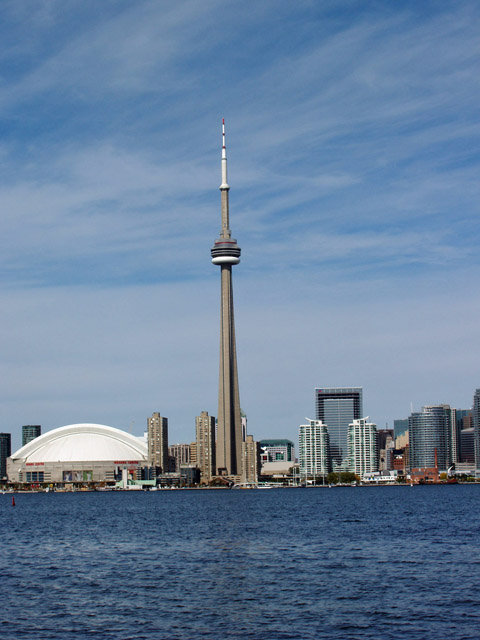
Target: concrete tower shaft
column 226, row 253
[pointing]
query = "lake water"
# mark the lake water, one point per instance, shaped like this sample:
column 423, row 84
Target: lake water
column 340, row 563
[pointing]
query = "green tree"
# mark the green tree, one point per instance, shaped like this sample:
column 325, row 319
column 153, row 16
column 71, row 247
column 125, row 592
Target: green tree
column 332, row 478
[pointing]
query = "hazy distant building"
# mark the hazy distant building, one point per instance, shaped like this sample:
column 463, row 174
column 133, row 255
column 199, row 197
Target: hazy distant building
column 385, row 446
column 193, row 454
column 314, row 448
column 158, row 441
column 430, row 430
column 180, row 453
column 476, row 427
column 205, row 449
column 400, row 427
column 337, row 407
column 30, row 432
column 276, row 450
column 5, row 452
column 464, row 420
column 467, row 445
column 243, row 420
column 251, row 460
column 362, row 447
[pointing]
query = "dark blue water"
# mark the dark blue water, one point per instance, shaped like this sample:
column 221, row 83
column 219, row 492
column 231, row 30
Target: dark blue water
column 342, row 563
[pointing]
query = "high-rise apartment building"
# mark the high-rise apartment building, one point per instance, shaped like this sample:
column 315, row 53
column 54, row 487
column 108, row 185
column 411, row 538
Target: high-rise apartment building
column 158, row 441
column 30, row 432
column 5, row 452
column 314, row 449
column 251, row 460
column 476, row 429
column 431, row 430
column 337, row 407
column 226, row 253
column 362, row 447
column 205, row 449
column 193, row 454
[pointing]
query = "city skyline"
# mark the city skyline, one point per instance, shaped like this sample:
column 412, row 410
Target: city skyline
column 353, row 130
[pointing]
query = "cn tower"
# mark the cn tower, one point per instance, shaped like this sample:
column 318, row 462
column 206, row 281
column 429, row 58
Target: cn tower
column 226, row 253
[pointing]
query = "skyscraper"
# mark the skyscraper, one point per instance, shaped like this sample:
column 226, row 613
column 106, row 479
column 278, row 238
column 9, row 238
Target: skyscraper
column 30, row 432
column 226, row 253
column 313, row 448
column 476, row 430
column 251, row 460
column 5, row 452
column 337, row 407
column 205, row 449
column 430, row 430
column 158, row 441
column 362, row 446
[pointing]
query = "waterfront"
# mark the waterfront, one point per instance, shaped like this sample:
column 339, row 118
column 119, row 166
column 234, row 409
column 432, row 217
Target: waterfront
column 396, row 562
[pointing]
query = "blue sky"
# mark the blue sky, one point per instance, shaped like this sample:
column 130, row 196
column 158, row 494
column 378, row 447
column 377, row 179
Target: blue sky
column 353, row 149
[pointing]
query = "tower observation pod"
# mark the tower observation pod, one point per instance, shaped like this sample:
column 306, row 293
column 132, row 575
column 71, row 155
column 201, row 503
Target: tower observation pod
column 226, row 253
column 225, row 250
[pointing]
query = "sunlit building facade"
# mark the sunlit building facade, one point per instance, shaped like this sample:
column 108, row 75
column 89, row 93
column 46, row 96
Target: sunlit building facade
column 362, row 447
column 314, row 448
column 157, row 427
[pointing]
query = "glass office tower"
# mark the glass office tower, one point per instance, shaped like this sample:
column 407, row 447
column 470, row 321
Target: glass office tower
column 30, row 432
column 430, row 430
column 337, row 407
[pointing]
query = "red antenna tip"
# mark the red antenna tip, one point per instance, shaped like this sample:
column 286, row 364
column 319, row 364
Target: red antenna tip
column 223, row 120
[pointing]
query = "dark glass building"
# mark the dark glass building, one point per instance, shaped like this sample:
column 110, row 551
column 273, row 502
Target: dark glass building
column 337, row 407
column 30, row 432
column 400, row 427
column 5, row 452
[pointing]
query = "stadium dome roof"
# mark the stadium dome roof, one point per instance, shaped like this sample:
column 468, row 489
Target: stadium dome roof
column 83, row 442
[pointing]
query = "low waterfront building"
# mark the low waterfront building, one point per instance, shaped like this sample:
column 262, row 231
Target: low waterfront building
column 425, row 475
column 277, row 449
column 380, row 477
column 78, row 454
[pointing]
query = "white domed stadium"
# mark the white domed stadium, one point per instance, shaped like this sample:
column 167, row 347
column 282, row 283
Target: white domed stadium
column 77, row 453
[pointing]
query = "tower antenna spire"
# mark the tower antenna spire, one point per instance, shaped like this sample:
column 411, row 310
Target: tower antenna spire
column 224, row 186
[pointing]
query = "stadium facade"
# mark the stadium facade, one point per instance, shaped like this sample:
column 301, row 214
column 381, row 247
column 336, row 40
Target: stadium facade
column 77, row 453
